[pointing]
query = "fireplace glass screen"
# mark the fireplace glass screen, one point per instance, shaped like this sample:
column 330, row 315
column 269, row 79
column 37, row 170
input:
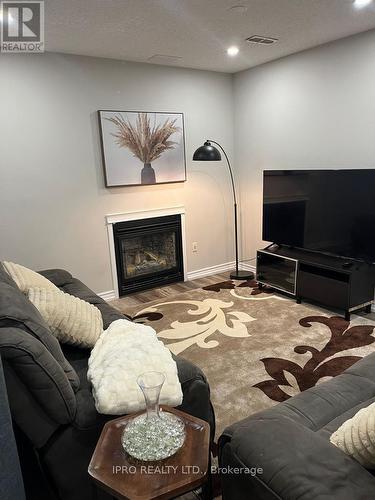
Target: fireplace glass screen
column 149, row 253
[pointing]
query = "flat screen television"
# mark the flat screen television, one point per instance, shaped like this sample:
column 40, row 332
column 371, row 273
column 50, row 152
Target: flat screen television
column 330, row 211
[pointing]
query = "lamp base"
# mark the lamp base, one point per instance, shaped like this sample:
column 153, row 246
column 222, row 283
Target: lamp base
column 241, row 275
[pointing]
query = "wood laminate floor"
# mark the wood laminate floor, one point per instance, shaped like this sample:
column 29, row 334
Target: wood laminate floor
column 139, row 298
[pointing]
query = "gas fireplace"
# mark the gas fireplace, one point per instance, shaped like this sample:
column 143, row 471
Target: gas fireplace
column 148, row 253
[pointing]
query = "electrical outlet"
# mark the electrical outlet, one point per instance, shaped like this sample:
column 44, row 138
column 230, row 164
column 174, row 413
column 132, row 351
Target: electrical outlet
column 195, row 246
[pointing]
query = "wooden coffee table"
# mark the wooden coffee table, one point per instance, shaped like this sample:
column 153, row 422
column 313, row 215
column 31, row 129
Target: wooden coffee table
column 123, row 477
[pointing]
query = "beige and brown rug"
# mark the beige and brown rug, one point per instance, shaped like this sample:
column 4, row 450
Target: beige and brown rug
column 257, row 348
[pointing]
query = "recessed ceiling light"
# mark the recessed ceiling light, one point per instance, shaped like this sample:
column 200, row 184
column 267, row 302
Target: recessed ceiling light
column 233, row 51
column 360, row 4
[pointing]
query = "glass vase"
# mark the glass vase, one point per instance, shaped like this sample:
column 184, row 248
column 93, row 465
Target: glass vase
column 155, row 434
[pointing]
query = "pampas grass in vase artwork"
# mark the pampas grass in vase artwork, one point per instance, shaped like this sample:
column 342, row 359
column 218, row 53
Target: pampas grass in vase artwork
column 147, row 141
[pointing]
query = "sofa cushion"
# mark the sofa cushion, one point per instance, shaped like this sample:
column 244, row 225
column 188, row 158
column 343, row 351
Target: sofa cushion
column 337, row 422
column 18, row 312
column 26, row 278
column 71, row 320
column 86, row 416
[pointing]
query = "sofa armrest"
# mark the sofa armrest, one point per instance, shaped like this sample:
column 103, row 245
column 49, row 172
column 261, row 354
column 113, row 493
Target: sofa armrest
column 58, row 277
column 40, row 395
column 196, row 392
column 11, row 483
column 295, row 463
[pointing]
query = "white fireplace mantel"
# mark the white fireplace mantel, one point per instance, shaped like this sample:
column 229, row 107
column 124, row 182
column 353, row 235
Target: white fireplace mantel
column 139, row 215
column 144, row 214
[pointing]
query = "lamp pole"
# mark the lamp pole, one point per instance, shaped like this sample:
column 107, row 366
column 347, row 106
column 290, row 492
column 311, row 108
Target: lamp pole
column 237, row 274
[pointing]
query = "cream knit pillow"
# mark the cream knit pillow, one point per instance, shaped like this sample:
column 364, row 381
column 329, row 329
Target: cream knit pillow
column 70, row 319
column 26, row 278
column 356, row 437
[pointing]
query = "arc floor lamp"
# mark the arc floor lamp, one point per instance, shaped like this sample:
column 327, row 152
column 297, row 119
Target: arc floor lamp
column 208, row 152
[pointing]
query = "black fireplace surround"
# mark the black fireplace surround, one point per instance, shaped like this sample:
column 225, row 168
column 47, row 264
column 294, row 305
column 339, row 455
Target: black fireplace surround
column 148, row 253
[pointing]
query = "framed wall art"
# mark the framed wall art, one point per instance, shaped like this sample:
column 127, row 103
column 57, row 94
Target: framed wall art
column 142, row 148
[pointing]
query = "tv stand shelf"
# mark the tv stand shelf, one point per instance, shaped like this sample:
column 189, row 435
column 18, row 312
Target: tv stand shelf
column 331, row 281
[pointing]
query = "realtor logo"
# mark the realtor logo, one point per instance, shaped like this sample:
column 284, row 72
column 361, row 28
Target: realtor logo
column 22, row 27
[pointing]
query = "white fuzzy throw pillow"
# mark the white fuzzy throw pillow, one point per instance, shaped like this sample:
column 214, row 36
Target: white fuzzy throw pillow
column 124, row 351
column 70, row 319
column 26, row 278
column 356, row 437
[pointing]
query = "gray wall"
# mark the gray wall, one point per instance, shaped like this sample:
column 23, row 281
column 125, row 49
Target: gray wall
column 52, row 195
column 315, row 109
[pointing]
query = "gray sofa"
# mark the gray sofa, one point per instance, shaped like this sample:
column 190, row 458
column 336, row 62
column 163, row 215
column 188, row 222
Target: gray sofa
column 290, row 442
column 50, row 399
column 11, row 484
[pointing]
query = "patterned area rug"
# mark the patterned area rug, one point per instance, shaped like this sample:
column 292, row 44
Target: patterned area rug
column 257, row 348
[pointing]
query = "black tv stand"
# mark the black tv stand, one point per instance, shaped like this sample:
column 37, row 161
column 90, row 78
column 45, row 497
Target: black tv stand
column 347, row 265
column 324, row 279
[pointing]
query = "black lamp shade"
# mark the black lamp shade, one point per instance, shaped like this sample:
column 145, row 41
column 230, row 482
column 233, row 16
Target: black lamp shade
column 207, row 152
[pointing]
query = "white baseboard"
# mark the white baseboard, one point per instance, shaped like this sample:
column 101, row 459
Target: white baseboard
column 221, row 268
column 110, row 295
column 193, row 275
column 209, row 271
column 247, row 267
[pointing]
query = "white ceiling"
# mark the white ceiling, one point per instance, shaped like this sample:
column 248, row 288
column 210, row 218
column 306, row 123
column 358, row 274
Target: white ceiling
column 198, row 32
